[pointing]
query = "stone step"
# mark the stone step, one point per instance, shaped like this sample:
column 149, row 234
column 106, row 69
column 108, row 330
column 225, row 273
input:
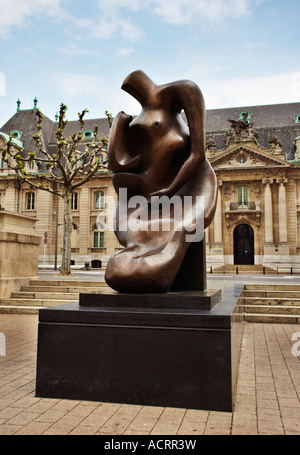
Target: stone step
column 14, row 309
column 45, row 295
column 272, row 318
column 272, row 287
column 63, row 289
column 68, row 283
column 33, row 302
column 48, row 293
column 255, row 269
column 280, row 310
column 267, row 301
column 273, row 294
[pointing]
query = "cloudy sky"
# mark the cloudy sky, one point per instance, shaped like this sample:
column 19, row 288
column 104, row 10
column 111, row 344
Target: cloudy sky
column 239, row 52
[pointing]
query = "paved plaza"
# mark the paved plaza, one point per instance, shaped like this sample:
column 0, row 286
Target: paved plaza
column 267, row 402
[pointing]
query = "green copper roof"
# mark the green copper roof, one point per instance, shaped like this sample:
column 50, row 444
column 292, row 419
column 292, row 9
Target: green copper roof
column 6, row 136
column 15, row 141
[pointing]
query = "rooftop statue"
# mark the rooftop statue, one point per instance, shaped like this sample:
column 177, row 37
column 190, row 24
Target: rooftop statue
column 157, row 158
column 241, row 130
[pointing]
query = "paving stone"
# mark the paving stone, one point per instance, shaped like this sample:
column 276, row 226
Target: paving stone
column 268, row 393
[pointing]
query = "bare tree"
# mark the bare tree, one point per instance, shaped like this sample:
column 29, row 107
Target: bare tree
column 65, row 170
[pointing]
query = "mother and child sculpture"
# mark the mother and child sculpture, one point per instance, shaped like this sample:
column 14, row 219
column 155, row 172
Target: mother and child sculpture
column 158, row 161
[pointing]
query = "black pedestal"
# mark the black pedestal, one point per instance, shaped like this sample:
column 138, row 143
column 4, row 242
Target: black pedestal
column 148, row 356
column 189, row 300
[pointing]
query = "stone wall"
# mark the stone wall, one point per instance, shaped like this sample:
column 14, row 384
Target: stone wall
column 19, row 249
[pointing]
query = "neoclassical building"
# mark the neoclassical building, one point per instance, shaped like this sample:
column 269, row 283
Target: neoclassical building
column 255, row 152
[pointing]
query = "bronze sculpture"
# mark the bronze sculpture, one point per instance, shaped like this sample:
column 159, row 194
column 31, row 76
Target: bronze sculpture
column 152, row 156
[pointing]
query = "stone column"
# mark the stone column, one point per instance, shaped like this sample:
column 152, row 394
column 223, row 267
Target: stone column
column 268, row 209
column 206, row 232
column 283, row 247
column 217, row 256
column 218, row 219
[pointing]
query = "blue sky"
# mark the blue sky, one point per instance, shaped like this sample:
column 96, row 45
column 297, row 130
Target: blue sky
column 239, row 52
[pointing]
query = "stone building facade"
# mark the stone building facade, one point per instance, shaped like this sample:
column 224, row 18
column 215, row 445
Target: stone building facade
column 255, row 152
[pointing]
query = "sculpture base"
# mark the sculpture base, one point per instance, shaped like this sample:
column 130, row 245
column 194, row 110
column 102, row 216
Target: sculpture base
column 193, row 300
column 159, row 357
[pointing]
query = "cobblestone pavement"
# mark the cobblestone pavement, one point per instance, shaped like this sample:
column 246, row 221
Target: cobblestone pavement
column 267, row 396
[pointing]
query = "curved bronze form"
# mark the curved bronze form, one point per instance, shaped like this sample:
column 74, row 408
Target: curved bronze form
column 157, row 154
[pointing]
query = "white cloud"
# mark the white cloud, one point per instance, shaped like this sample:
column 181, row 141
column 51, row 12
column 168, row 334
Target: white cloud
column 15, row 14
column 275, row 89
column 296, row 85
column 191, row 11
column 74, row 85
column 114, row 21
column 74, row 50
column 181, row 11
column 2, row 84
column 114, row 5
column 87, row 90
column 116, row 18
column 113, row 26
column 124, row 51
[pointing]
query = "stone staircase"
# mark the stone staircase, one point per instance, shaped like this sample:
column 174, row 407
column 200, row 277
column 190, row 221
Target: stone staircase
column 249, row 269
column 46, row 293
column 272, row 303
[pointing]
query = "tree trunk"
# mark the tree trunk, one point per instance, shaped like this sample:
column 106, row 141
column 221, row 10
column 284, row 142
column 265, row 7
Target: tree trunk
column 66, row 250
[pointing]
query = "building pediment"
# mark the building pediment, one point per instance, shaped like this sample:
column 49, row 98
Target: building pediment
column 243, row 157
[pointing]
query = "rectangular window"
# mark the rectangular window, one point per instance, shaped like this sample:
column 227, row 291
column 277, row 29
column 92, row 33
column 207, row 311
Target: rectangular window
column 243, row 195
column 30, row 201
column 98, row 239
column 99, row 200
column 74, row 203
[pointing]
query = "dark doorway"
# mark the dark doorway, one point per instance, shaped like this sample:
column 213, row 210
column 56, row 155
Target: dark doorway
column 244, row 245
column 96, row 264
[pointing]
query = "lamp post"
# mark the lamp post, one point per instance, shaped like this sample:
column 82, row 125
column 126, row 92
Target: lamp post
column 56, row 233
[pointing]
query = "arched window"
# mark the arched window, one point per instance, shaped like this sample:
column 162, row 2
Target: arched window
column 88, row 134
column 30, row 201
column 98, row 236
column 31, row 166
column 16, row 134
column 297, row 118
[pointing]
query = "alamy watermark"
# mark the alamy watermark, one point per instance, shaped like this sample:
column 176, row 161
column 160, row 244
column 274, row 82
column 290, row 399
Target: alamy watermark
column 156, row 214
column 296, row 345
column 2, row 84
column 2, row 345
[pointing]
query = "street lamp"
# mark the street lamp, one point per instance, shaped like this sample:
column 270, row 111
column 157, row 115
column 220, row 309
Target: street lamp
column 56, row 232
